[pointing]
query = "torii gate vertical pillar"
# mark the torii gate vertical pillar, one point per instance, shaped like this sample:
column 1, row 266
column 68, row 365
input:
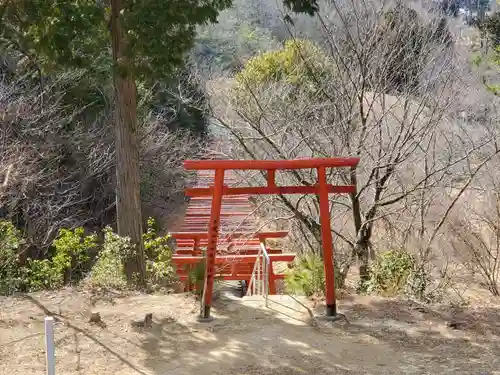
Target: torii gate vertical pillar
column 213, row 236
column 326, row 237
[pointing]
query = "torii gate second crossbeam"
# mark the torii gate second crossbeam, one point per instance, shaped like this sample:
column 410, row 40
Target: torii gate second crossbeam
column 219, row 189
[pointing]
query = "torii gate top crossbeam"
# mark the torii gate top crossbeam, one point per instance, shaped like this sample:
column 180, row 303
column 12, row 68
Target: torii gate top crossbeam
column 270, row 164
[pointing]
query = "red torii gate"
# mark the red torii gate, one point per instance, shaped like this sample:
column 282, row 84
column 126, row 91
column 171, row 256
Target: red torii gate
column 218, row 190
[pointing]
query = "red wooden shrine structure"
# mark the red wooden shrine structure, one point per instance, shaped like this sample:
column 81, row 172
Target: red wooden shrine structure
column 218, row 219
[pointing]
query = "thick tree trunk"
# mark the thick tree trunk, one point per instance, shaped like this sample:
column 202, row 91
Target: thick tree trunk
column 363, row 236
column 363, row 250
column 128, row 200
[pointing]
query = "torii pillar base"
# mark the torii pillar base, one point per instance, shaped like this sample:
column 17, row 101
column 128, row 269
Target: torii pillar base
column 201, row 319
column 331, row 314
column 205, row 316
column 332, row 318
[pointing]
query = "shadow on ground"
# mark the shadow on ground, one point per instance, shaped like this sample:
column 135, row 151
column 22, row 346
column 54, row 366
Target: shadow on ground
column 381, row 337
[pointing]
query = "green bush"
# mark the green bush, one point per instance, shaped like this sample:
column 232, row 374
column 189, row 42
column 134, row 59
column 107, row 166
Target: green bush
column 158, row 257
column 71, row 254
column 72, row 250
column 40, row 275
column 11, row 245
column 307, row 276
column 294, row 71
column 197, row 278
column 108, row 270
column 390, row 272
column 298, row 62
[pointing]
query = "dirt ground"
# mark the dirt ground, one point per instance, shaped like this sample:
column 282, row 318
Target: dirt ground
column 382, row 336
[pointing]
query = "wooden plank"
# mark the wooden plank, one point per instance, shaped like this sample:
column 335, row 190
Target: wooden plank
column 204, row 235
column 231, row 277
column 228, row 259
column 271, row 164
column 190, row 251
column 267, row 190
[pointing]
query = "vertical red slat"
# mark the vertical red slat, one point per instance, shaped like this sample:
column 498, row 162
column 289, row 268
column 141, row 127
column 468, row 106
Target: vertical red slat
column 272, row 280
column 326, row 236
column 271, row 178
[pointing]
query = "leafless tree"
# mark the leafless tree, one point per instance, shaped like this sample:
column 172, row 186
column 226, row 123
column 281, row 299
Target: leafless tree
column 57, row 168
column 386, row 98
column 475, row 233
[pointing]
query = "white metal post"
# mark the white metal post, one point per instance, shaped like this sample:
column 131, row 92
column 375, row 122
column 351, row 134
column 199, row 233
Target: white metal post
column 266, row 282
column 262, row 270
column 267, row 266
column 258, row 275
column 50, row 346
column 253, row 282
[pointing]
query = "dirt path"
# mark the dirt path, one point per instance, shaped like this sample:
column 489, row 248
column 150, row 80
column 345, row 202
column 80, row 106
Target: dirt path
column 383, row 337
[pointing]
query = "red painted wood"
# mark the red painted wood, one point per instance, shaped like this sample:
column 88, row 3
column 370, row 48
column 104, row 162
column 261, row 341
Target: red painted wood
column 228, row 259
column 270, row 164
column 204, row 235
column 326, row 237
column 190, row 251
column 213, row 233
column 266, row 190
column 238, row 277
column 272, row 279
